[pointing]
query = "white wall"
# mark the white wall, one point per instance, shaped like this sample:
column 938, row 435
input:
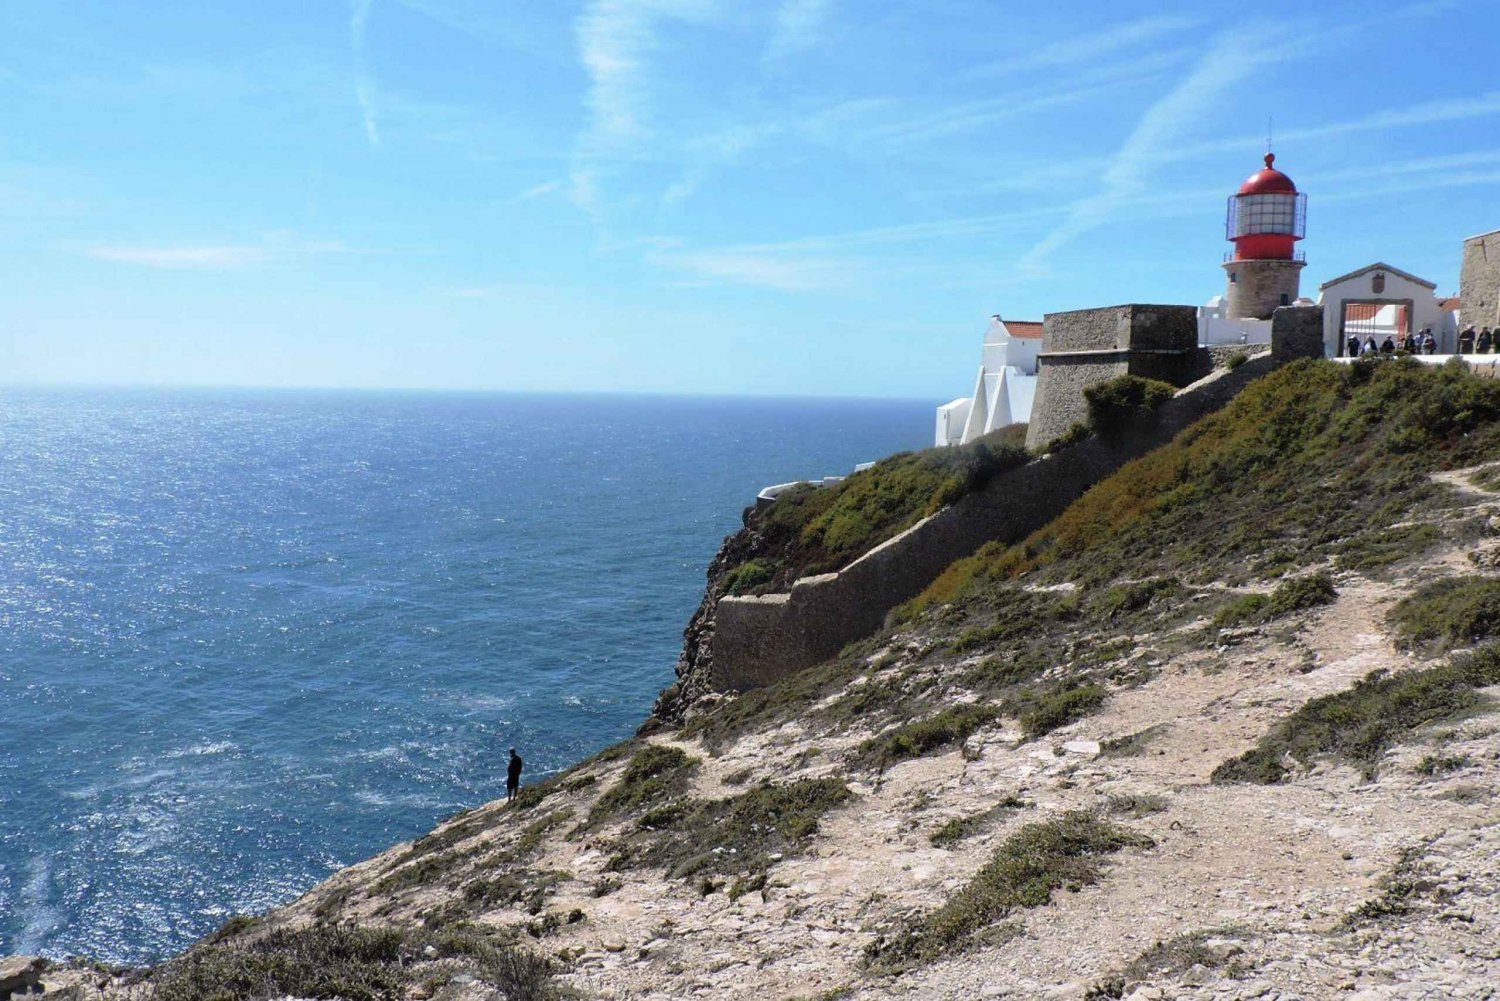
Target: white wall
column 1425, row 311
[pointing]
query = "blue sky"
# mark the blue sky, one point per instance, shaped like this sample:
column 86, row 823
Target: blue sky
column 786, row 196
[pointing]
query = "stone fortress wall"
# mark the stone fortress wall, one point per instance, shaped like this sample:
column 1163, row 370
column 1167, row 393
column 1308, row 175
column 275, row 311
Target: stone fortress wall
column 757, row 640
column 1084, row 347
column 1479, row 281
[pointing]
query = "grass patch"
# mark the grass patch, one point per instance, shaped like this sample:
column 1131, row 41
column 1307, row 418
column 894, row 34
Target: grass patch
column 1132, row 744
column 1295, row 595
column 737, row 836
column 1377, row 548
column 655, row 774
column 1433, row 765
column 1042, row 710
column 960, row 828
column 325, row 961
column 1448, row 613
column 1359, row 725
column 1038, row 859
column 1166, row 961
column 951, row 726
column 1401, row 889
column 1135, row 805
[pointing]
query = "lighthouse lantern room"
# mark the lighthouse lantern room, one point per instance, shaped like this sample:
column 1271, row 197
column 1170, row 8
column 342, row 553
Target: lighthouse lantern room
column 1266, row 218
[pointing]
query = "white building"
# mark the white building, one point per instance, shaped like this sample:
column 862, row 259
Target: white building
column 1005, row 388
column 1380, row 301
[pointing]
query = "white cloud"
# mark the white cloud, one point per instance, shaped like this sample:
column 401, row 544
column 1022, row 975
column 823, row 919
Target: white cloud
column 214, row 257
column 538, row 190
column 1089, row 48
column 762, row 268
column 1226, row 63
column 364, row 82
column 798, row 26
column 615, row 41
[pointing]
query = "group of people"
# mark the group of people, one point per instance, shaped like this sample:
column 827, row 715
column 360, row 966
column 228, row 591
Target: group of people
column 1471, row 343
column 1413, row 344
column 1424, row 343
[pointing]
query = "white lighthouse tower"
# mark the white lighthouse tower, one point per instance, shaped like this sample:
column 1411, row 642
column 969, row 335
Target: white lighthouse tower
column 1266, row 218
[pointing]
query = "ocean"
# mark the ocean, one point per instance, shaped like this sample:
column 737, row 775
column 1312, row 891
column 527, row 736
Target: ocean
column 250, row 637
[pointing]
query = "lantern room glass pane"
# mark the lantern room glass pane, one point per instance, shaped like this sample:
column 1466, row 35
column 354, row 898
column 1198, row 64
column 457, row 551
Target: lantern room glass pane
column 1266, row 214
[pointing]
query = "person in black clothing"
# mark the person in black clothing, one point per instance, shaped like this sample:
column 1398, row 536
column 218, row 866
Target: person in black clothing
column 1388, row 347
column 513, row 775
column 1466, row 341
column 1409, row 343
column 1482, row 345
column 1353, row 345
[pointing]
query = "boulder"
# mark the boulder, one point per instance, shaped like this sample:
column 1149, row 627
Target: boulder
column 20, row 974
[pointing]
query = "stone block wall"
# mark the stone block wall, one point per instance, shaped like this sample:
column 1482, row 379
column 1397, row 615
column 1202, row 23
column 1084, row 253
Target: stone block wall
column 1255, row 288
column 757, row 640
column 1297, row 332
column 1479, row 281
column 1085, row 347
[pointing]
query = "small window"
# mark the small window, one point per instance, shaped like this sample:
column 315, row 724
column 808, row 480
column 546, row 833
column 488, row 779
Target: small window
column 1233, row 277
column 1286, row 300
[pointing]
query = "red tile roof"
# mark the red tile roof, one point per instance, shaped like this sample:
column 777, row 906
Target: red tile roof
column 1023, row 328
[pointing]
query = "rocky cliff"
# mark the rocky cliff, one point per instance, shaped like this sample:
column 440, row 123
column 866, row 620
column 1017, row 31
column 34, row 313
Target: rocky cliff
column 1224, row 728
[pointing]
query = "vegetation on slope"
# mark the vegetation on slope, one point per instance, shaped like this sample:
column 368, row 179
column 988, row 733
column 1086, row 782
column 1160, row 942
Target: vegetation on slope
column 813, row 529
column 1448, row 613
column 1359, row 725
column 353, row 964
column 1312, row 461
column 1038, row 859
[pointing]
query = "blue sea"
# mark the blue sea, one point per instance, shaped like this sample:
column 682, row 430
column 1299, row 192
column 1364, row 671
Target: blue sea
column 249, row 637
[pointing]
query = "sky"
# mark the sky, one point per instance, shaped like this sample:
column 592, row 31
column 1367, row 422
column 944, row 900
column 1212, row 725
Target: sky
column 823, row 197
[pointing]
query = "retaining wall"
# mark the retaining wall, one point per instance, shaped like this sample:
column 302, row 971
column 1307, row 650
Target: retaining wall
column 758, row 640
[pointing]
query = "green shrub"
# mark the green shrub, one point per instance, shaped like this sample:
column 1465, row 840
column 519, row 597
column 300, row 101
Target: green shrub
column 960, row 828
column 1295, row 595
column 817, row 529
column 327, row 961
column 738, row 835
column 748, row 576
column 655, row 774
column 1025, row 870
column 1125, row 403
column 1041, row 711
column 951, row 726
column 1236, row 360
column 1359, row 725
column 1455, row 611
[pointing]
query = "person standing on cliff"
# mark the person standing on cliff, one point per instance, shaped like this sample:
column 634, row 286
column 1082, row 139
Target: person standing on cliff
column 513, row 775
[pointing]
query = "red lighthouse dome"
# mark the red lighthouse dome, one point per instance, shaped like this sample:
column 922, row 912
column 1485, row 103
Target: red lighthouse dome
column 1267, row 216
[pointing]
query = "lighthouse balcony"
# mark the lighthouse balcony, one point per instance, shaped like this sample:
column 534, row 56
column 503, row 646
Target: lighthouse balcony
column 1300, row 256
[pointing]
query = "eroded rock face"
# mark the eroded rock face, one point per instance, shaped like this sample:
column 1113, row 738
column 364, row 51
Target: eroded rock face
column 20, row 974
column 695, row 663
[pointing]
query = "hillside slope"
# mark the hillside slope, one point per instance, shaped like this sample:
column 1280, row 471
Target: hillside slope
column 1211, row 733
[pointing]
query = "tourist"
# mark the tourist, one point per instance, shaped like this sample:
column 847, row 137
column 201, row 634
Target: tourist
column 1387, row 346
column 1466, row 341
column 1429, row 343
column 1485, row 340
column 1353, row 346
column 513, row 776
column 1409, row 343
column 1369, row 350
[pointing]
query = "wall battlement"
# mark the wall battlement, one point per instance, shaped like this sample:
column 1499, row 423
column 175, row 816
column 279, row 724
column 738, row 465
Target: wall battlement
column 1084, row 347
